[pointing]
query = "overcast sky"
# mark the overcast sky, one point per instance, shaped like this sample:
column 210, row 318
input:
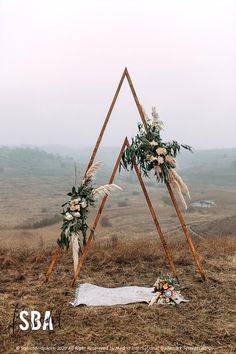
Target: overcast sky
column 61, row 60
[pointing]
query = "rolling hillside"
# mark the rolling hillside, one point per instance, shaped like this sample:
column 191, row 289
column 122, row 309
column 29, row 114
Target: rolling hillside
column 205, row 167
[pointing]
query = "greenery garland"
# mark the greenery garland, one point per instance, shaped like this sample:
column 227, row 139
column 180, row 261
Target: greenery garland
column 76, row 213
column 150, row 152
column 76, row 210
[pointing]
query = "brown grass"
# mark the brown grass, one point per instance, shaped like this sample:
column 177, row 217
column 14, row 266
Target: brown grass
column 207, row 320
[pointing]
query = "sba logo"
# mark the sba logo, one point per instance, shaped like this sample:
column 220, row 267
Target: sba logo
column 35, row 321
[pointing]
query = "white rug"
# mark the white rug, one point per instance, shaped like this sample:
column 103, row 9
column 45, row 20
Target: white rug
column 92, row 295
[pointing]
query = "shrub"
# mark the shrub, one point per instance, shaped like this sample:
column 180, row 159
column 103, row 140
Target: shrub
column 122, row 203
column 105, row 222
column 43, row 223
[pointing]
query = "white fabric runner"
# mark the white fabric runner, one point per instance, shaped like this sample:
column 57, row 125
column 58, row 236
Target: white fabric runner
column 92, row 295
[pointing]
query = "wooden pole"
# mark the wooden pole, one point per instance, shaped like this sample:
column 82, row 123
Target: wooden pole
column 125, row 74
column 149, row 203
column 54, row 258
column 136, row 98
column 186, row 231
column 101, row 207
column 178, row 212
column 106, row 121
column 158, row 227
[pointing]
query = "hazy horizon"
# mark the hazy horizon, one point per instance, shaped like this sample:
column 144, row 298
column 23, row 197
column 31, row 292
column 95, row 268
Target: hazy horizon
column 61, row 62
column 89, row 147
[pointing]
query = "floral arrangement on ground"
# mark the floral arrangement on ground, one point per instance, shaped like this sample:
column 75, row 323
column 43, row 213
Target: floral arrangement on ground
column 167, row 291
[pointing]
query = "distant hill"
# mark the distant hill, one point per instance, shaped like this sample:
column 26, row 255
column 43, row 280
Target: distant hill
column 33, row 162
column 216, row 167
column 107, row 154
column 220, row 227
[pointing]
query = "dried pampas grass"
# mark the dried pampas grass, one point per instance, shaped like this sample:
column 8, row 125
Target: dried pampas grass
column 105, row 190
column 178, row 185
column 157, row 170
column 156, row 122
column 171, row 160
column 75, row 250
column 90, row 174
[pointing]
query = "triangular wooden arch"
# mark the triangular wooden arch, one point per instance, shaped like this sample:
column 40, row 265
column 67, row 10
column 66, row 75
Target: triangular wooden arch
column 153, row 214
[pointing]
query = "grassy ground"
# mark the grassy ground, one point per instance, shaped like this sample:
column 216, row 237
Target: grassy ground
column 205, row 324
column 39, row 200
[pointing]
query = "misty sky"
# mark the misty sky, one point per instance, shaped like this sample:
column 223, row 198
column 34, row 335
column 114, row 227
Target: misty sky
column 61, row 60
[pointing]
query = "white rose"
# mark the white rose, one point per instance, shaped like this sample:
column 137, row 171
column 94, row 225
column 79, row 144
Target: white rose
column 160, row 160
column 77, row 214
column 73, row 208
column 68, row 216
column 75, row 201
column 153, row 143
column 83, row 204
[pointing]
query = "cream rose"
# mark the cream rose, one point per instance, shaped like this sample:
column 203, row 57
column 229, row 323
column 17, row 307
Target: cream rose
column 161, row 151
column 74, row 201
column 153, row 143
column 160, row 160
column 83, row 204
column 68, row 217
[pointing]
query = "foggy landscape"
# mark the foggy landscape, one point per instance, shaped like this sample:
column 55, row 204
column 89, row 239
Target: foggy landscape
column 60, row 65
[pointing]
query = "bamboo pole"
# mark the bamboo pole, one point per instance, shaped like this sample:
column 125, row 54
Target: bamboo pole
column 149, row 203
column 186, row 231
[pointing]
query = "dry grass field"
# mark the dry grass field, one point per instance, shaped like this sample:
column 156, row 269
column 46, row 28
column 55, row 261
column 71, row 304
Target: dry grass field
column 126, row 251
column 25, row 202
column 205, row 324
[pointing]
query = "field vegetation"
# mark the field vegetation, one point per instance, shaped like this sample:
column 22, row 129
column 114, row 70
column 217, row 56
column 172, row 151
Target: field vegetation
column 126, row 251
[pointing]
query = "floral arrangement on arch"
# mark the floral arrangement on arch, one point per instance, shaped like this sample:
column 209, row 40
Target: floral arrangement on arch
column 151, row 153
column 76, row 210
